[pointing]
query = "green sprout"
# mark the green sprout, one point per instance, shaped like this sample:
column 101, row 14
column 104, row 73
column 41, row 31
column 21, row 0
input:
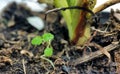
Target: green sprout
column 48, row 51
column 36, row 40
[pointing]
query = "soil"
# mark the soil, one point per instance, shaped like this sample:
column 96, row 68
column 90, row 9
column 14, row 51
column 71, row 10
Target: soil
column 18, row 56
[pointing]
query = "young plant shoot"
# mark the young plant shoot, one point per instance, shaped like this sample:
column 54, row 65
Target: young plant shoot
column 46, row 37
column 48, row 51
column 76, row 20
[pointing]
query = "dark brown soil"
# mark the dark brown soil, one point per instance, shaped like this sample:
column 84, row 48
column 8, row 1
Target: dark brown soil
column 18, row 56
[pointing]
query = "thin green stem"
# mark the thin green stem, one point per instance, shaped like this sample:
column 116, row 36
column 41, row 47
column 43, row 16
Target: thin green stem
column 43, row 57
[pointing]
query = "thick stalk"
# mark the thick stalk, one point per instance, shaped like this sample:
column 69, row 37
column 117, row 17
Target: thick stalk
column 79, row 30
column 82, row 30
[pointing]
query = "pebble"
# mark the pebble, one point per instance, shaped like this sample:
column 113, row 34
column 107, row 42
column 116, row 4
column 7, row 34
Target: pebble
column 65, row 69
column 36, row 22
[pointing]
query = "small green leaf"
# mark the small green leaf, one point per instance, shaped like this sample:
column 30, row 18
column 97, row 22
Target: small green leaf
column 47, row 37
column 48, row 52
column 36, row 40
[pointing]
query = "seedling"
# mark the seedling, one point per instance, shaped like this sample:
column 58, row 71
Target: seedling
column 48, row 51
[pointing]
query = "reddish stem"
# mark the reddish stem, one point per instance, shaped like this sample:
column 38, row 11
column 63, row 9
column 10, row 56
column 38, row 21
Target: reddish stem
column 80, row 29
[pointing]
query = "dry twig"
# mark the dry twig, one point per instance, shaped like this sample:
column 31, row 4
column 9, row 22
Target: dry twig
column 117, row 61
column 105, row 5
column 94, row 54
column 4, row 59
column 24, row 68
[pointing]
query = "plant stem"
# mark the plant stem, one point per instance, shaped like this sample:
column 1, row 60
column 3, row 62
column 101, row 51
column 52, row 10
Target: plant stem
column 43, row 57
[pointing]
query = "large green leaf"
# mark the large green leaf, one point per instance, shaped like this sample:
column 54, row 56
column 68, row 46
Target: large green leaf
column 66, row 14
column 73, row 18
column 76, row 16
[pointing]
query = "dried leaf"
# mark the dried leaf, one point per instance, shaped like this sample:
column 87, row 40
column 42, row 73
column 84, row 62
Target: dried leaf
column 104, row 52
column 4, row 59
column 25, row 52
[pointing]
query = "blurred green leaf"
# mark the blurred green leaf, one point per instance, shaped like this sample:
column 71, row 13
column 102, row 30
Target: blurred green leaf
column 48, row 52
column 47, row 37
column 36, row 40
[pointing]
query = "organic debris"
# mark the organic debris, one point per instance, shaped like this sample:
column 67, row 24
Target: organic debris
column 18, row 56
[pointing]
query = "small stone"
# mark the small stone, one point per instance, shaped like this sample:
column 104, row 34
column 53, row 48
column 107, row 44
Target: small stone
column 65, row 69
column 63, row 41
column 36, row 22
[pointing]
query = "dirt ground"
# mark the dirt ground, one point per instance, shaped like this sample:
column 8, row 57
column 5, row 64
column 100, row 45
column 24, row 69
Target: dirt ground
column 101, row 55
